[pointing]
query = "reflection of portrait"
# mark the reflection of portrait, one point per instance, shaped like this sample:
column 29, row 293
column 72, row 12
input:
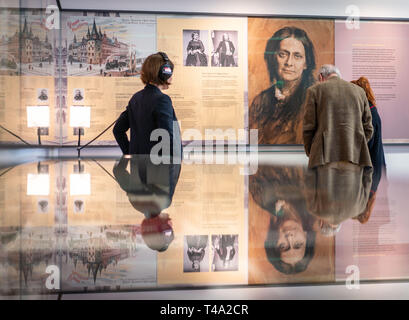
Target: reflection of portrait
column 150, row 189
column 43, row 95
column 277, row 111
column 78, row 95
column 196, row 251
column 223, row 55
column 196, row 51
column 290, row 240
column 225, row 247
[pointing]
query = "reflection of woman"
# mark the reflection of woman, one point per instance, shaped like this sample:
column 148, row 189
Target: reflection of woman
column 226, row 50
column 150, row 188
column 195, row 52
column 276, row 112
column 290, row 241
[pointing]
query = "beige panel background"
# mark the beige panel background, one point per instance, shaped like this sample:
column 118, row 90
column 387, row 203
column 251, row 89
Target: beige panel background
column 20, row 209
column 107, row 97
column 20, row 92
column 204, row 97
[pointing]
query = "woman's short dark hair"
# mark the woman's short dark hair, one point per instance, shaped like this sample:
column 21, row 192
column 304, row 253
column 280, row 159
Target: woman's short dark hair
column 193, row 34
column 151, row 68
column 273, row 47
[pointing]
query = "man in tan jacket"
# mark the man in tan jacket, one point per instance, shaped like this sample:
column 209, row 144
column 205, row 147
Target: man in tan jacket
column 337, row 121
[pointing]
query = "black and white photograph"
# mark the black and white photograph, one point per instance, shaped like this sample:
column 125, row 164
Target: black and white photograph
column 42, row 206
column 79, row 205
column 42, row 95
column 225, row 252
column 196, row 253
column 195, row 48
column 78, row 95
column 224, row 52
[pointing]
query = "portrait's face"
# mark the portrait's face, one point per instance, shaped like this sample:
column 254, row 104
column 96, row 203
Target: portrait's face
column 291, row 242
column 291, row 59
column 225, row 36
column 195, row 36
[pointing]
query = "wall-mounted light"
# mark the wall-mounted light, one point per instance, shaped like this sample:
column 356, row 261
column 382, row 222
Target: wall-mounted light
column 80, row 182
column 80, row 118
column 39, row 117
column 39, row 184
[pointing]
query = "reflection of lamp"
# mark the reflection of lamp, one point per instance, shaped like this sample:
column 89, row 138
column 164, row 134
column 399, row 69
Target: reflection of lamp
column 80, row 182
column 39, row 184
column 80, row 118
column 39, row 117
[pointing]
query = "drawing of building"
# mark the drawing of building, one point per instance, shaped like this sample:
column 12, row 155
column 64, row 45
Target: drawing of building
column 96, row 48
column 32, row 48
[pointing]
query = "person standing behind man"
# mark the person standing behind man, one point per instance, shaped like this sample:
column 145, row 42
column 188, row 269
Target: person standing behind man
column 337, row 121
column 150, row 109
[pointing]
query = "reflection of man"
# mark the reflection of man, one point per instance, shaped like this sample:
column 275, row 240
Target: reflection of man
column 337, row 121
column 43, row 95
column 78, row 96
column 337, row 192
column 226, row 51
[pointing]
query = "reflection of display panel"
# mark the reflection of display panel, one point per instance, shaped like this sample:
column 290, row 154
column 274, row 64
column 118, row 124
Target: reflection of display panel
column 379, row 248
column 276, row 195
column 80, row 184
column 80, row 117
column 38, row 116
column 208, row 218
column 38, row 184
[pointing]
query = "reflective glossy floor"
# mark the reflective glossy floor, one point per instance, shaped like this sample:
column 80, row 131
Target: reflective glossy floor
column 220, row 226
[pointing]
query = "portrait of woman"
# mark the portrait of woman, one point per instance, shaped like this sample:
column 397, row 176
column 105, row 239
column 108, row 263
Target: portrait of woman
column 196, row 51
column 277, row 111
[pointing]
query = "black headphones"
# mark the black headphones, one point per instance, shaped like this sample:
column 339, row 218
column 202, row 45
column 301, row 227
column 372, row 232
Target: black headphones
column 165, row 71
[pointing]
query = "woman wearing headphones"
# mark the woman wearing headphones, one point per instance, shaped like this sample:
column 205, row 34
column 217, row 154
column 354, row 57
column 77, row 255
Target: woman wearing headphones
column 149, row 110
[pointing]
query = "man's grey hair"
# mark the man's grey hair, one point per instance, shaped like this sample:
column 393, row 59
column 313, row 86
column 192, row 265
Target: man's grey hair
column 328, row 230
column 328, row 69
